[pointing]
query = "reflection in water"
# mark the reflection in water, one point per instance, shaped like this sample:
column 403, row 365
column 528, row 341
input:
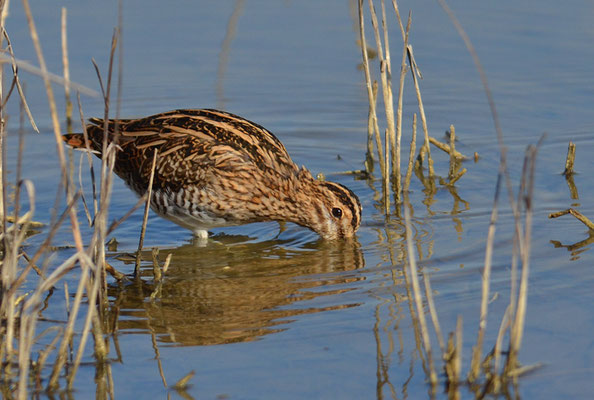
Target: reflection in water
column 396, row 354
column 456, row 210
column 576, row 249
column 236, row 292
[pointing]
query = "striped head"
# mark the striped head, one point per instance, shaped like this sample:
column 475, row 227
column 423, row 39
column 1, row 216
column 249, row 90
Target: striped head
column 337, row 211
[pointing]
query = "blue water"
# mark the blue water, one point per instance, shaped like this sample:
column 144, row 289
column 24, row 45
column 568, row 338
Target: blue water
column 258, row 314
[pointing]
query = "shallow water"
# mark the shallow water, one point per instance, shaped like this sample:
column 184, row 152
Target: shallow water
column 263, row 313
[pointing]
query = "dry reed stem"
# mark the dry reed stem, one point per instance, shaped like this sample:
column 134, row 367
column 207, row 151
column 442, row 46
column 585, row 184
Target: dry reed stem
column 411, row 306
column 158, row 356
column 91, row 314
column 156, row 267
column 66, row 66
column 44, row 354
column 88, row 152
column 449, row 361
column 453, row 361
column 573, row 191
column 29, row 318
column 8, row 305
column 403, row 71
column 412, row 266
column 69, row 331
column 166, row 263
column 107, row 164
column 458, row 355
column 12, row 238
column 446, row 148
column 397, row 11
column 35, row 267
column 580, row 217
column 55, row 122
column 44, row 246
column 3, row 194
column 520, row 243
column 411, row 155
column 8, row 270
column 385, row 74
column 390, row 105
column 16, row 201
column 453, row 161
column 474, row 372
column 26, row 217
column 570, row 160
column 17, row 236
column 517, row 328
column 96, row 290
column 369, row 154
column 29, row 313
column 114, row 272
column 433, row 313
column 372, row 109
column 503, row 327
column 457, row 177
column 425, row 149
column 48, row 89
column 106, row 98
column 57, row 79
column 110, row 382
column 17, row 82
column 386, row 178
column 82, row 193
column 120, row 83
column 183, row 383
column 456, row 366
column 145, row 216
column 67, row 298
column 4, row 11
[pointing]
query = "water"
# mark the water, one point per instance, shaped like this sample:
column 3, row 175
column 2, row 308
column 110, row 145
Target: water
column 263, row 314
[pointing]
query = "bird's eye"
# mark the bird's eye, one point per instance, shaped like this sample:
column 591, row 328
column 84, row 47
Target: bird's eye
column 337, row 212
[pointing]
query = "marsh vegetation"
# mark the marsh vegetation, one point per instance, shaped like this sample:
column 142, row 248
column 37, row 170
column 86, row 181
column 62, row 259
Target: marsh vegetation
column 431, row 300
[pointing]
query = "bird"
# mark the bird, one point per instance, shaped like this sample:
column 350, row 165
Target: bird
column 216, row 169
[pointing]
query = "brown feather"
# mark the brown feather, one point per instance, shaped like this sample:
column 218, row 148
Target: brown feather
column 215, row 168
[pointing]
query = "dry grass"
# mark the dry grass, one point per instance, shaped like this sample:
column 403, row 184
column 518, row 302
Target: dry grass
column 20, row 310
column 26, row 354
column 486, row 375
column 24, row 361
column 389, row 150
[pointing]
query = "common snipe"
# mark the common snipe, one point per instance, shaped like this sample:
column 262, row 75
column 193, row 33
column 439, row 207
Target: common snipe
column 217, row 169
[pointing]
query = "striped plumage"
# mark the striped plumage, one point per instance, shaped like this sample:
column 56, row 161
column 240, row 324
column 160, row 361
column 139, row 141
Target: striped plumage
column 217, row 169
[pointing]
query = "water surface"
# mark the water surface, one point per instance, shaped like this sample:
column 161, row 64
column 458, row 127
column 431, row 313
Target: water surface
column 264, row 313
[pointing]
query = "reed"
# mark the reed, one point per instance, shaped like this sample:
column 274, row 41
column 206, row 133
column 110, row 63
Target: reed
column 389, row 150
column 61, row 354
column 21, row 312
column 486, row 375
column 145, row 216
column 371, row 94
column 417, row 297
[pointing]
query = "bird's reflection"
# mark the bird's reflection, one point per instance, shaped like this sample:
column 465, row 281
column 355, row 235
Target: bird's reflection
column 232, row 290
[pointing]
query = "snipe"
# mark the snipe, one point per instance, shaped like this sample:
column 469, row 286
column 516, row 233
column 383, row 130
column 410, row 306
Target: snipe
column 217, row 169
